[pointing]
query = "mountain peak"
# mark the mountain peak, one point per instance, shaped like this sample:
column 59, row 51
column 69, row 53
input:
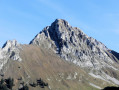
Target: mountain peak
column 72, row 44
column 59, row 25
column 61, row 22
column 55, row 31
column 10, row 43
column 67, row 43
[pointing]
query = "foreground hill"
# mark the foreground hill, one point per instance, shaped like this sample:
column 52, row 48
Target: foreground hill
column 59, row 74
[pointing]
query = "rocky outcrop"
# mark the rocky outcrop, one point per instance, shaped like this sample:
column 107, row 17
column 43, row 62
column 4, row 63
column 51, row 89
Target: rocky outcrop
column 10, row 50
column 73, row 45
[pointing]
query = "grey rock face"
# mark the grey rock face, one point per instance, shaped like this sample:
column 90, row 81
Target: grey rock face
column 10, row 50
column 73, row 45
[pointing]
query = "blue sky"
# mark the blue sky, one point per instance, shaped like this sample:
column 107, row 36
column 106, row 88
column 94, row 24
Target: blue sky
column 23, row 19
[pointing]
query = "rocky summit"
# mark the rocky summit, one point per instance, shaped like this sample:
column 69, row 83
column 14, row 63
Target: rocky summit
column 64, row 57
column 71, row 44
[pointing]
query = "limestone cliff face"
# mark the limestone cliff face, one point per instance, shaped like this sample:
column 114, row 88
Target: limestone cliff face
column 73, row 45
column 10, row 50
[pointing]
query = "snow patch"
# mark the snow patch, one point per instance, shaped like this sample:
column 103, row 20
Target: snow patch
column 114, row 80
column 95, row 86
column 106, row 78
column 97, row 76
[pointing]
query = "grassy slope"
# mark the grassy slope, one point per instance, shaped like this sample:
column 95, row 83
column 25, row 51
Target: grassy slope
column 40, row 63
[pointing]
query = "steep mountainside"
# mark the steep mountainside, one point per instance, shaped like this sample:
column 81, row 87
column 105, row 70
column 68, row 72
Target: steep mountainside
column 64, row 57
column 73, row 45
column 59, row 74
